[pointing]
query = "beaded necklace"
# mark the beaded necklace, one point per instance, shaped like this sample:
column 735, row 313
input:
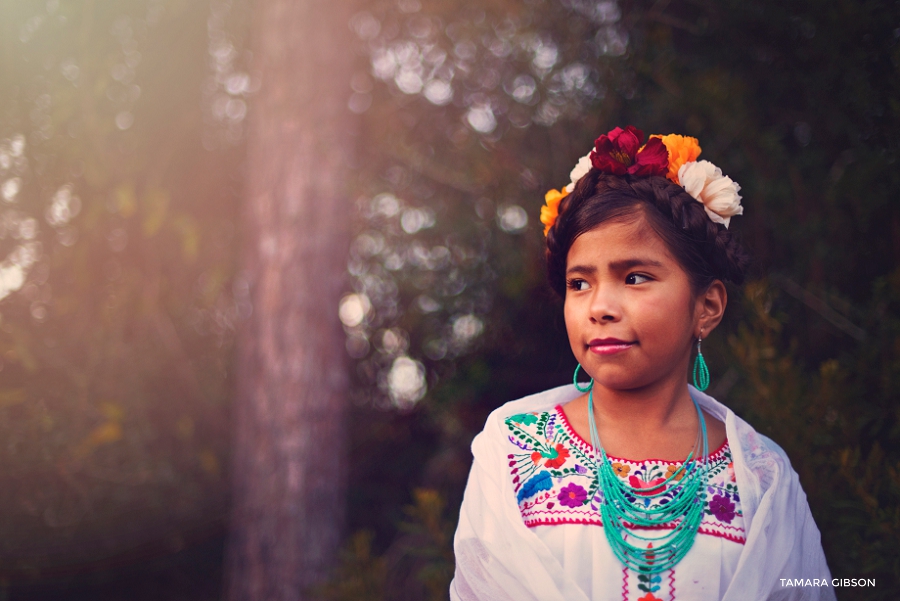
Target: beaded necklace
column 617, row 512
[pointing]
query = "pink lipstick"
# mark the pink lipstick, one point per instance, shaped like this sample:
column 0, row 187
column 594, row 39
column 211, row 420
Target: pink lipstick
column 609, row 346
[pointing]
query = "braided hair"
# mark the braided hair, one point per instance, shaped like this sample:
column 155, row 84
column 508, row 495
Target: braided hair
column 706, row 251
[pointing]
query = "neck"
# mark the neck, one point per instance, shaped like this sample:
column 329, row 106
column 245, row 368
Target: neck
column 663, row 405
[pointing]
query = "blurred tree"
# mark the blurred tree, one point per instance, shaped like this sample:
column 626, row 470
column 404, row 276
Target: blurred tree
column 116, row 229
column 291, row 382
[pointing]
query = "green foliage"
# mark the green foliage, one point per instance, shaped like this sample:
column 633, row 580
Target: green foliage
column 847, row 462
column 360, row 576
column 417, row 566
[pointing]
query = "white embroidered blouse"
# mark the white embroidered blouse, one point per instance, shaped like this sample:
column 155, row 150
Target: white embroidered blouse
column 553, row 473
column 527, row 530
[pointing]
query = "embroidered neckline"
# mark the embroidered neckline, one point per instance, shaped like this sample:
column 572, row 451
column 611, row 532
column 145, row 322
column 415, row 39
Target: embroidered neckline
column 588, row 448
column 554, row 479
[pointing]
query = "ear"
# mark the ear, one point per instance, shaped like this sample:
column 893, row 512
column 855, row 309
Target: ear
column 709, row 308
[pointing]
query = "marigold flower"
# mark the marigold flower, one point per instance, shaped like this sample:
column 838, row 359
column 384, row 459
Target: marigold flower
column 550, row 211
column 682, row 149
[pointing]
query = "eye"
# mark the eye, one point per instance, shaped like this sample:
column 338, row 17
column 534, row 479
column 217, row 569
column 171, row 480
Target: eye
column 636, row 278
column 576, row 284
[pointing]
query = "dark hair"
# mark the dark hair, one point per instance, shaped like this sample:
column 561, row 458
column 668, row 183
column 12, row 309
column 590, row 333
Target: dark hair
column 706, row 250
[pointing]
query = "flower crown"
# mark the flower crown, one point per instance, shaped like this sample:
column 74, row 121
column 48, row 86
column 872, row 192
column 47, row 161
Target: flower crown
column 620, row 152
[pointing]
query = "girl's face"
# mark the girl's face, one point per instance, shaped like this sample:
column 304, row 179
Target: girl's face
column 630, row 313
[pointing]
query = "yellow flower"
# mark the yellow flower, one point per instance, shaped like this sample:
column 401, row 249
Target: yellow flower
column 550, row 211
column 621, row 469
column 682, row 149
column 675, row 468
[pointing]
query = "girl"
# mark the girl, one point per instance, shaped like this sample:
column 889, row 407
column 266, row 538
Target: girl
column 629, row 484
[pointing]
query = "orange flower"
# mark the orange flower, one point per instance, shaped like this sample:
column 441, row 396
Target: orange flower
column 682, row 149
column 621, row 469
column 550, row 211
column 649, row 597
column 675, row 468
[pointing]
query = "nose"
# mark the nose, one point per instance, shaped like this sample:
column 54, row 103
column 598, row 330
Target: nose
column 605, row 305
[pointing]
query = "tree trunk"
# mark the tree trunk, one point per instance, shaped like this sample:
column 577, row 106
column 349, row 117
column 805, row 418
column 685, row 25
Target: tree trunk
column 291, row 382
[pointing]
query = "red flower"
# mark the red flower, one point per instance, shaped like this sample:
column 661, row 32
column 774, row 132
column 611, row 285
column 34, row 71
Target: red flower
column 638, row 483
column 620, row 152
column 557, row 458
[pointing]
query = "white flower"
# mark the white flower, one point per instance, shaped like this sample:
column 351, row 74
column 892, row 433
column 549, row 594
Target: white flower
column 584, row 165
column 718, row 193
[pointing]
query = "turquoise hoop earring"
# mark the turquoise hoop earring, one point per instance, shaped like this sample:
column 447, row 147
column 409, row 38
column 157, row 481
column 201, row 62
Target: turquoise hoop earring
column 701, row 371
column 587, row 385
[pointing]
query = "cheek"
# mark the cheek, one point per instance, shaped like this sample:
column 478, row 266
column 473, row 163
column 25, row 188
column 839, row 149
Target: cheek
column 568, row 316
column 665, row 318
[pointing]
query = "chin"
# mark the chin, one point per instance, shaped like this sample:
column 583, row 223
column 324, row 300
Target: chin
column 621, row 381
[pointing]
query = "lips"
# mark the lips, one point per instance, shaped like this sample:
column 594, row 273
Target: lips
column 609, row 346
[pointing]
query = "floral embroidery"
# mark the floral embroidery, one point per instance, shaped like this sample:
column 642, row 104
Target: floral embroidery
column 676, row 468
column 649, row 597
column 540, row 482
column 722, row 508
column 572, row 495
column 523, row 418
column 554, row 476
column 561, row 454
column 555, row 456
column 638, row 483
column 621, row 469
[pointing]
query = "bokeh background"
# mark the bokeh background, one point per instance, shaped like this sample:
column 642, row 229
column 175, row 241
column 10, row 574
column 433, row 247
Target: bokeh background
column 122, row 163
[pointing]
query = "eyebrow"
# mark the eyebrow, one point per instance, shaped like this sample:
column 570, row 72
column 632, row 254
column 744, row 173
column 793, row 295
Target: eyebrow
column 638, row 262
column 615, row 266
column 583, row 269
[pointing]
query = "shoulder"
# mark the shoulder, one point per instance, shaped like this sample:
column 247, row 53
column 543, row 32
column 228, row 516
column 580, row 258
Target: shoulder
column 540, row 402
column 753, row 444
column 755, row 454
column 496, row 429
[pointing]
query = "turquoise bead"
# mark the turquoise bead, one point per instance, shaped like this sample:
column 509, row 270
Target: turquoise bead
column 701, row 373
column 687, row 505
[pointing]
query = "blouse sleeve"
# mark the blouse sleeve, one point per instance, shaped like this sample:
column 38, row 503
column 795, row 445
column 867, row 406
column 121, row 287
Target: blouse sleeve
column 497, row 557
column 783, row 557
